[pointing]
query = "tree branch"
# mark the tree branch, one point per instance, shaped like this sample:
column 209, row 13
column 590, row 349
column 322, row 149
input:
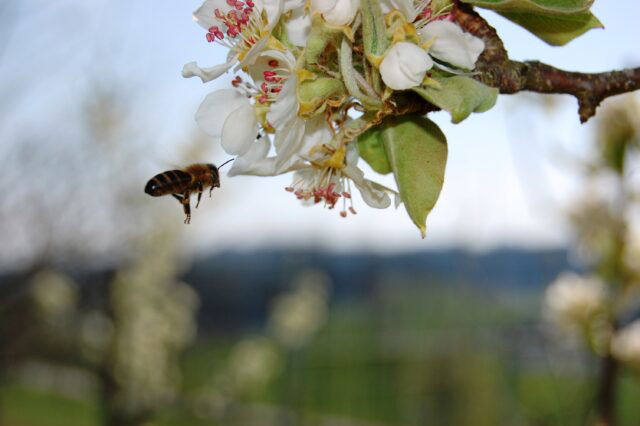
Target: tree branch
column 497, row 70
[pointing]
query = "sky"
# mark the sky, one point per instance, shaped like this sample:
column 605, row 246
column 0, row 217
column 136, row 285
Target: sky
column 511, row 175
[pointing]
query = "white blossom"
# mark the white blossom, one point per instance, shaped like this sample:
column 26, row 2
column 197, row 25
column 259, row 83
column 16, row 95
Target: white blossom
column 273, row 88
column 244, row 31
column 322, row 181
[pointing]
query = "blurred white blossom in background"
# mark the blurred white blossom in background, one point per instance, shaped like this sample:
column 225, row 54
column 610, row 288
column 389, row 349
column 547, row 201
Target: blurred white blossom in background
column 575, row 303
column 55, row 295
column 253, row 362
column 625, row 344
column 297, row 315
column 154, row 319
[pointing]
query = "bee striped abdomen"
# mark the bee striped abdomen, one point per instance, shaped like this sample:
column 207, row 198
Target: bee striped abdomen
column 169, row 182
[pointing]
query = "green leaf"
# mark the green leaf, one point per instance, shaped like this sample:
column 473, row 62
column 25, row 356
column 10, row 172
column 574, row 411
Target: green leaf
column 372, row 150
column 459, row 95
column 373, row 31
column 557, row 22
column 417, row 152
column 539, row 7
column 556, row 30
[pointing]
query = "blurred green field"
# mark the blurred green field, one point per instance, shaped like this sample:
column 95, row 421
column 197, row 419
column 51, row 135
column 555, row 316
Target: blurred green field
column 435, row 357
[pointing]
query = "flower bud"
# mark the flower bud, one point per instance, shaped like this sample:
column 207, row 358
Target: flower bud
column 336, row 12
column 451, row 44
column 404, row 66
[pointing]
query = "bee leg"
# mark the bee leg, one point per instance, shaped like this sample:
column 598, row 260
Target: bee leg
column 184, row 200
column 187, row 209
column 200, row 189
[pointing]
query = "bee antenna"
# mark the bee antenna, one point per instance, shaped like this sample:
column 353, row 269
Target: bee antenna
column 228, row 161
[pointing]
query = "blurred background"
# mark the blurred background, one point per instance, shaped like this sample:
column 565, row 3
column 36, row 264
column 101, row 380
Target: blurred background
column 262, row 311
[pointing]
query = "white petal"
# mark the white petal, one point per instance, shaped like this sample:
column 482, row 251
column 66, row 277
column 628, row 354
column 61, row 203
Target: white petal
column 215, row 109
column 207, row 74
column 452, row 45
column 336, row 12
column 316, row 133
column 371, row 195
column 273, row 9
column 285, row 109
column 292, row 4
column 406, row 7
column 353, row 155
column 254, row 162
column 240, row 130
column 205, row 15
column 298, row 27
column 404, row 66
column 253, row 53
column 323, row 6
column 288, row 143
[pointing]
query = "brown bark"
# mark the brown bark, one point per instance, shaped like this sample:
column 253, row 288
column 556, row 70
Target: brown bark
column 496, row 70
column 606, row 398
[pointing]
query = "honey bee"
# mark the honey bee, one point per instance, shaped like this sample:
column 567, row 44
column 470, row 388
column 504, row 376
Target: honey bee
column 182, row 183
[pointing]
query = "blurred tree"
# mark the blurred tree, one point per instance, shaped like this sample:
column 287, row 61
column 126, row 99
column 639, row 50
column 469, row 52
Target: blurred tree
column 605, row 220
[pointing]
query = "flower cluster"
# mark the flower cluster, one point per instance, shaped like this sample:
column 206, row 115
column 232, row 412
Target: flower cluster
column 311, row 79
column 572, row 301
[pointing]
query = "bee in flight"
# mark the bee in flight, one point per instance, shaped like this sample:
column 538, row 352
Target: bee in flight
column 182, row 183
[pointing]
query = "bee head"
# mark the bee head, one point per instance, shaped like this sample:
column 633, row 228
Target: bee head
column 215, row 176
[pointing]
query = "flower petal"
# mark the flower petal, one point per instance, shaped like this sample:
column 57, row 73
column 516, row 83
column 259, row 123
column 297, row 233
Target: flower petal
column 298, row 27
column 253, row 53
column 254, row 161
column 240, row 130
column 371, row 195
column 205, row 14
column 215, row 109
column 288, row 143
column 285, row 109
column 336, row 12
column 292, row 5
column 273, row 10
column 452, row 44
column 406, row 7
column 404, row 66
column 316, row 133
column 207, row 74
